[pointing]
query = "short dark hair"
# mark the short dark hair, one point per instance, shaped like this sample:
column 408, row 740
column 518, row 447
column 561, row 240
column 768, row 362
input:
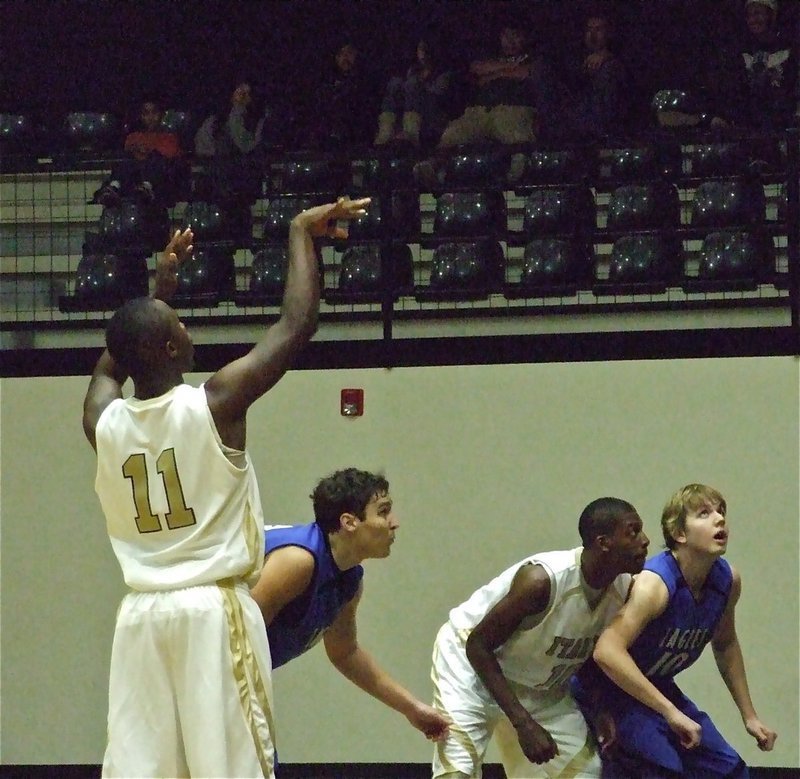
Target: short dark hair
column 133, row 333
column 601, row 517
column 345, row 492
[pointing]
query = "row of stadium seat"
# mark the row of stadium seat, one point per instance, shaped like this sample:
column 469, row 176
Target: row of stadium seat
column 642, row 263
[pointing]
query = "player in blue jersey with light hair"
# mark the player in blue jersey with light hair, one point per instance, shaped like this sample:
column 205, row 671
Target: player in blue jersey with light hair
column 311, row 585
column 684, row 598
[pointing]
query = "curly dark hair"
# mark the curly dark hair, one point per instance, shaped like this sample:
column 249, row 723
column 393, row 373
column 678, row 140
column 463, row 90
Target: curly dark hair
column 346, row 491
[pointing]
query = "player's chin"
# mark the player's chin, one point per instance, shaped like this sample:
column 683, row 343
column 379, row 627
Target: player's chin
column 637, row 564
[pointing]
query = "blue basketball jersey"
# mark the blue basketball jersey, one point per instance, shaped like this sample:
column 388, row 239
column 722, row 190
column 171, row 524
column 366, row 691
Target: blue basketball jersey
column 301, row 623
column 677, row 637
column 667, row 645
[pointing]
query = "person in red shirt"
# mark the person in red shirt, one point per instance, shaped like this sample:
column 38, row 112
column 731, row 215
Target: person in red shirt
column 151, row 135
column 152, row 168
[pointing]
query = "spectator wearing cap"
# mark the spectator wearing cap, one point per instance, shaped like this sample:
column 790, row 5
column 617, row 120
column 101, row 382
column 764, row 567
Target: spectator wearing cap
column 757, row 89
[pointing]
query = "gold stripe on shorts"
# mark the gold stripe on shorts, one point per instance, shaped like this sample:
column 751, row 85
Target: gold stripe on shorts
column 575, row 768
column 455, row 731
column 243, row 659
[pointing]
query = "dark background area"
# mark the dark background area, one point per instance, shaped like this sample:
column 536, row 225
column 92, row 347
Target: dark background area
column 60, row 55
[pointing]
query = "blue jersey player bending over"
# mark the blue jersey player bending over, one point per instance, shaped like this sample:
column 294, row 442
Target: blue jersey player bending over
column 684, row 598
column 311, row 584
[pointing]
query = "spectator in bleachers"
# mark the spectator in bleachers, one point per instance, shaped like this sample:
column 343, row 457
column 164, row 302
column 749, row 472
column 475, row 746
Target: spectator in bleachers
column 415, row 105
column 235, row 130
column 503, row 106
column 230, row 141
column 596, row 99
column 344, row 103
column 754, row 84
column 153, row 170
column 770, row 69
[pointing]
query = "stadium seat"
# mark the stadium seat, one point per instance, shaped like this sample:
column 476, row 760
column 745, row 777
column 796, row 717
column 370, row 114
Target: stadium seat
column 674, row 100
column 310, row 176
column 405, row 219
column 464, row 271
column 207, row 221
column 267, row 277
column 17, row 133
column 133, row 225
column 92, row 131
column 477, row 168
column 677, row 108
column 734, row 202
column 636, row 163
column 361, row 278
column 717, row 159
column 733, row 260
column 548, row 166
column 103, row 281
column 392, row 171
column 552, row 211
column 553, row 267
column 470, row 214
column 205, row 278
column 646, row 206
column 643, row 263
column 279, row 213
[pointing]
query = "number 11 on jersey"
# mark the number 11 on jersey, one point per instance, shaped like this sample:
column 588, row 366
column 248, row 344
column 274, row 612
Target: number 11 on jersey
column 179, row 515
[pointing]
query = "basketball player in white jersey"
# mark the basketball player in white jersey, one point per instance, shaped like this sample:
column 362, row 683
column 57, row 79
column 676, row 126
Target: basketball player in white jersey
column 503, row 661
column 190, row 686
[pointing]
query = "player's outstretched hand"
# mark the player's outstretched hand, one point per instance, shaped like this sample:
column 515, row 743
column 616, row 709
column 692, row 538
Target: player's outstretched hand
column 761, row 733
column 320, row 221
column 175, row 253
column 432, row 722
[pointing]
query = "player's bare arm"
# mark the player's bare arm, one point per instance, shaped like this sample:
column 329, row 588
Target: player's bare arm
column 730, row 662
column 286, row 574
column 361, row 668
column 528, row 596
column 107, row 377
column 648, row 599
column 236, row 386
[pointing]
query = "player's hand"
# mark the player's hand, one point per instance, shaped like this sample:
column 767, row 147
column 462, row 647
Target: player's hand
column 176, row 252
column 432, row 722
column 606, row 729
column 320, row 221
column 536, row 743
column 687, row 730
column 761, row 733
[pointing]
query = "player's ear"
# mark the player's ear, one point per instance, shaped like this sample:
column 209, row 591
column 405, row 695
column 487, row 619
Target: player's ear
column 348, row 522
column 603, row 543
column 679, row 536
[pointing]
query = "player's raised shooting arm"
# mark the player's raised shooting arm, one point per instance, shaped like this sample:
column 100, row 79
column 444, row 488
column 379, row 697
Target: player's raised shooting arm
column 104, row 386
column 236, row 386
column 107, row 377
column 528, row 595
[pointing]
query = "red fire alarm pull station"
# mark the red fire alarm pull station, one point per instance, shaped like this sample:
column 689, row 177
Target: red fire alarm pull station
column 352, row 402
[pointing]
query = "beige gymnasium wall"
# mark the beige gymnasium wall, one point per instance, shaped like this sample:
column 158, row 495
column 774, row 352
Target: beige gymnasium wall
column 487, row 464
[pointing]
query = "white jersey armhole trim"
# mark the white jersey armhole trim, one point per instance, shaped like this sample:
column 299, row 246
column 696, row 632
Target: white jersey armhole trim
column 236, row 457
